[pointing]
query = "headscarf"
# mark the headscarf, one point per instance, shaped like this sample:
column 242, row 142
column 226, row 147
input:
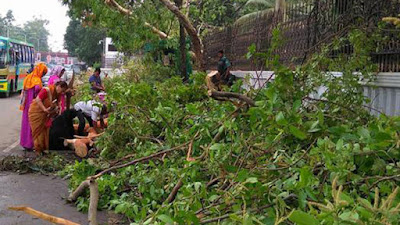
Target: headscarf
column 55, row 74
column 35, row 78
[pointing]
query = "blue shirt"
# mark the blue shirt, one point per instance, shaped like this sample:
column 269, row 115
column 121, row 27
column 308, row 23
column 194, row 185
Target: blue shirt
column 95, row 79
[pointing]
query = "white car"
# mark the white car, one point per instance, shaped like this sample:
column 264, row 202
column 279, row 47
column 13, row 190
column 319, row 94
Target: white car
column 68, row 72
column 46, row 77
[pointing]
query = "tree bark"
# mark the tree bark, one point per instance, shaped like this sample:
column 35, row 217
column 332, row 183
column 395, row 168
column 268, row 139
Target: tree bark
column 219, row 95
column 182, row 45
column 192, row 32
column 43, row 216
column 174, row 191
column 94, row 200
column 78, row 191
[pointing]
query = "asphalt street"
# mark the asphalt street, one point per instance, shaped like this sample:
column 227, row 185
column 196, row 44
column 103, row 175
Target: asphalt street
column 43, row 193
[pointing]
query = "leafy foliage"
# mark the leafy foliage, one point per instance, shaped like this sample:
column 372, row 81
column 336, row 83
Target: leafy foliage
column 84, row 42
column 130, row 33
column 292, row 158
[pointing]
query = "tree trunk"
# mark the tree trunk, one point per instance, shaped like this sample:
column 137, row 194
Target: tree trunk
column 192, row 32
column 182, row 45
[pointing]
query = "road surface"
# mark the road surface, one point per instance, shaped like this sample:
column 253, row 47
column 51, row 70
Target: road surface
column 10, row 125
column 43, row 193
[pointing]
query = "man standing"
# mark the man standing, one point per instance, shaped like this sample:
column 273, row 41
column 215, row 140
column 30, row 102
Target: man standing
column 92, row 111
column 95, row 81
column 224, row 66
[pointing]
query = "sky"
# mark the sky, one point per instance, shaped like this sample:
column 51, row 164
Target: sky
column 52, row 10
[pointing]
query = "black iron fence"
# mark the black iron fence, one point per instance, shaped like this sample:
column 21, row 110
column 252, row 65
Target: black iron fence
column 305, row 27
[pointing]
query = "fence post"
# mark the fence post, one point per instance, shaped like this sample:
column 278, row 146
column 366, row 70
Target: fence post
column 280, row 5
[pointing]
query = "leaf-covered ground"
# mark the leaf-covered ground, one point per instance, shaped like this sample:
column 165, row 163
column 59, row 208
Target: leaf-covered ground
column 291, row 159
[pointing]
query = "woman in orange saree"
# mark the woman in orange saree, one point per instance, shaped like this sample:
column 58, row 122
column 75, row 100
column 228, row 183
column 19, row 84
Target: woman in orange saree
column 41, row 111
column 31, row 87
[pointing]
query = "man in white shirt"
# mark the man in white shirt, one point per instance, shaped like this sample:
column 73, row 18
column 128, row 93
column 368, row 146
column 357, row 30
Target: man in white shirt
column 92, row 111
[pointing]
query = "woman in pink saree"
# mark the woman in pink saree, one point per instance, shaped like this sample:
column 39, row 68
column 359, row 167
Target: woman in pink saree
column 56, row 73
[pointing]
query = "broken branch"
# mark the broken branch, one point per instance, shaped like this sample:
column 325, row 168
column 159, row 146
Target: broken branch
column 42, row 216
column 134, row 162
column 174, row 191
column 219, row 95
column 78, row 191
column 94, row 200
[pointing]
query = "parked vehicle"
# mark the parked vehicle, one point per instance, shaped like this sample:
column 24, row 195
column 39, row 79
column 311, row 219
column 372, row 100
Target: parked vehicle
column 46, row 77
column 16, row 58
column 68, row 72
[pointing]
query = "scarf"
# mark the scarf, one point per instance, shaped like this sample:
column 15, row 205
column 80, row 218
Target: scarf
column 35, row 78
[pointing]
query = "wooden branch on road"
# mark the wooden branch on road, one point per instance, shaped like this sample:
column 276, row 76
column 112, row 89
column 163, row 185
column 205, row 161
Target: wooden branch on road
column 42, row 215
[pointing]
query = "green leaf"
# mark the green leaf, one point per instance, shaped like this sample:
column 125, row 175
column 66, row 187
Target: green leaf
column 216, row 147
column 349, row 216
column 314, row 127
column 280, row 119
column 364, row 133
column 252, row 180
column 247, row 220
column 120, row 208
column 305, row 176
column 381, row 136
column 165, row 218
column 296, row 105
column 297, row 133
column 302, row 218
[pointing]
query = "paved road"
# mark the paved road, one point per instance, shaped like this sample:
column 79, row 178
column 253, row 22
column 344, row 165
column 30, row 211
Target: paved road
column 42, row 193
column 10, row 124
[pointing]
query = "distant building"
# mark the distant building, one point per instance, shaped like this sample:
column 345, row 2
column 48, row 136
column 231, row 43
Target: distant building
column 56, row 58
column 110, row 57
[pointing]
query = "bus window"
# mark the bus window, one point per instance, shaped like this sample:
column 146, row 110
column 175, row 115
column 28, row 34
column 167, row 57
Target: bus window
column 3, row 53
column 29, row 54
column 25, row 49
column 12, row 56
column 21, row 53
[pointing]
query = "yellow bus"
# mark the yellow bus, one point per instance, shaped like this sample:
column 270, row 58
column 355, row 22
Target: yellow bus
column 16, row 58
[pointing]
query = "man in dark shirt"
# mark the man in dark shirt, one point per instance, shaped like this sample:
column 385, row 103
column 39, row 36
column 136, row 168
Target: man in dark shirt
column 95, row 81
column 223, row 68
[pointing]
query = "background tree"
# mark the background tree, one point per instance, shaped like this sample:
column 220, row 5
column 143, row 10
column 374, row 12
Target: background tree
column 37, row 34
column 83, row 41
column 34, row 30
column 131, row 24
column 6, row 22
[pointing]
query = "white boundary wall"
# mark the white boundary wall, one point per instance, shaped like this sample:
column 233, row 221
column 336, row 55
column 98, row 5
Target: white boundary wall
column 384, row 93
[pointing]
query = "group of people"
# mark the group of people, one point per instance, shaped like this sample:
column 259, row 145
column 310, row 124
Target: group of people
column 40, row 105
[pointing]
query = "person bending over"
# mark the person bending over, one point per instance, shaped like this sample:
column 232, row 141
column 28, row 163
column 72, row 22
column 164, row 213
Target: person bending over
column 92, row 111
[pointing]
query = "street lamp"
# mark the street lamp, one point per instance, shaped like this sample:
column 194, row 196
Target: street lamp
column 38, row 41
